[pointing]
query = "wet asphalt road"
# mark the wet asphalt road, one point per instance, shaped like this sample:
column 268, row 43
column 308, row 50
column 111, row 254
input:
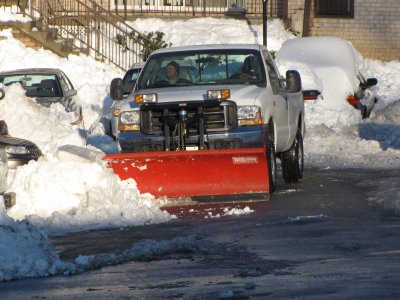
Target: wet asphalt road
column 319, row 239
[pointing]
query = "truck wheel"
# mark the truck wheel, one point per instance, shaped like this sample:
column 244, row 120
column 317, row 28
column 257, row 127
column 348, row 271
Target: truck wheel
column 271, row 161
column 292, row 160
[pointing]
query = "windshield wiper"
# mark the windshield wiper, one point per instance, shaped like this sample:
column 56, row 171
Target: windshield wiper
column 166, row 84
column 158, row 85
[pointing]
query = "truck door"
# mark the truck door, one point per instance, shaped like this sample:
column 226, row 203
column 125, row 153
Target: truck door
column 280, row 103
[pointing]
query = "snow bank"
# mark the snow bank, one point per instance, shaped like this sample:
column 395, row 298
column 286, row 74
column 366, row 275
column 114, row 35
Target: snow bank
column 49, row 128
column 73, row 190
column 387, row 73
column 198, row 31
column 25, row 250
column 6, row 14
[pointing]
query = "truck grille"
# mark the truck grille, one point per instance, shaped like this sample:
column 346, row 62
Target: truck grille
column 218, row 116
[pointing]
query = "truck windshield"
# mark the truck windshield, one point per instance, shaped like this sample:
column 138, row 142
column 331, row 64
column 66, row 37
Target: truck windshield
column 202, row 68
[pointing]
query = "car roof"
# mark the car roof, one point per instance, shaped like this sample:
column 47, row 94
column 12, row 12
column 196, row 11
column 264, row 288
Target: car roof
column 210, row 47
column 32, row 71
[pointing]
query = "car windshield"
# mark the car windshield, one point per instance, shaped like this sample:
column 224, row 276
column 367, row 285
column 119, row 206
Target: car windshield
column 36, row 85
column 202, row 68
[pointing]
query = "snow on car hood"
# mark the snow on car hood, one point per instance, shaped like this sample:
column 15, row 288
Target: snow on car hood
column 317, row 52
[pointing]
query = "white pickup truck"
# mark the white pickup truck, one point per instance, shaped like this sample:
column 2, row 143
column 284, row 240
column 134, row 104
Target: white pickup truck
column 215, row 97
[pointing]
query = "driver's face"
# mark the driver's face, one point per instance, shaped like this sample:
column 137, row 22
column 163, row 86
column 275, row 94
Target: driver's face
column 172, row 73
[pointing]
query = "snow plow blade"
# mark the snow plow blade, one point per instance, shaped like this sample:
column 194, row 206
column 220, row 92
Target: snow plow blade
column 199, row 173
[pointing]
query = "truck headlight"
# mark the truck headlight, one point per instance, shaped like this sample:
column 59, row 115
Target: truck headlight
column 141, row 98
column 16, row 150
column 249, row 115
column 218, row 94
column 129, row 121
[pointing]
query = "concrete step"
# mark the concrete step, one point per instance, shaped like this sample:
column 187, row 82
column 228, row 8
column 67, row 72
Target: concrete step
column 31, row 37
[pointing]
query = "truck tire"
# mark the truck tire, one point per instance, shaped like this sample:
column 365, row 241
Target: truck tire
column 292, row 160
column 271, row 161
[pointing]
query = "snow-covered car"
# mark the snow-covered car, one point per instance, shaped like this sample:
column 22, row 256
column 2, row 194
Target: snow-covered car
column 317, row 57
column 235, row 89
column 128, row 81
column 46, row 86
column 19, row 151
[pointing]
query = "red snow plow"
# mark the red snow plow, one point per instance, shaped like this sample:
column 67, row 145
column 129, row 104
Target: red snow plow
column 203, row 174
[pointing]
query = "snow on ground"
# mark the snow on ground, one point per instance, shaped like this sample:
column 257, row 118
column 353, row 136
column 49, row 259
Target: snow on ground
column 214, row 31
column 71, row 189
column 6, row 14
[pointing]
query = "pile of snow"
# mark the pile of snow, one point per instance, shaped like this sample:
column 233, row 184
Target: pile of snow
column 25, row 250
column 198, row 31
column 49, row 127
column 387, row 73
column 74, row 190
column 7, row 14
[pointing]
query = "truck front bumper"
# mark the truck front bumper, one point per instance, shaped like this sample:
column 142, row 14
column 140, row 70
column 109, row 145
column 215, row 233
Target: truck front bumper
column 239, row 137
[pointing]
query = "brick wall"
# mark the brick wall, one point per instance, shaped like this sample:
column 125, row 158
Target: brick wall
column 295, row 14
column 374, row 30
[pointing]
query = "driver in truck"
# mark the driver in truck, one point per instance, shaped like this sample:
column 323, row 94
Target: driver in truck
column 172, row 72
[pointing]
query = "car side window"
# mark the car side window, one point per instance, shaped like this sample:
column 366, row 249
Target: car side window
column 273, row 75
column 65, row 82
column 64, row 86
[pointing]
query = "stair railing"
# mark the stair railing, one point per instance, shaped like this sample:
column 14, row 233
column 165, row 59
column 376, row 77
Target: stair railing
column 87, row 26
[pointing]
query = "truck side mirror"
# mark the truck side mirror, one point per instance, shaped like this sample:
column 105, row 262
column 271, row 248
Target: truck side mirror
column 293, row 81
column 117, row 89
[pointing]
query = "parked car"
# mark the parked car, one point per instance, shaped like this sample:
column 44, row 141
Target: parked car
column 315, row 55
column 47, row 86
column 128, row 81
column 8, row 198
column 18, row 151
